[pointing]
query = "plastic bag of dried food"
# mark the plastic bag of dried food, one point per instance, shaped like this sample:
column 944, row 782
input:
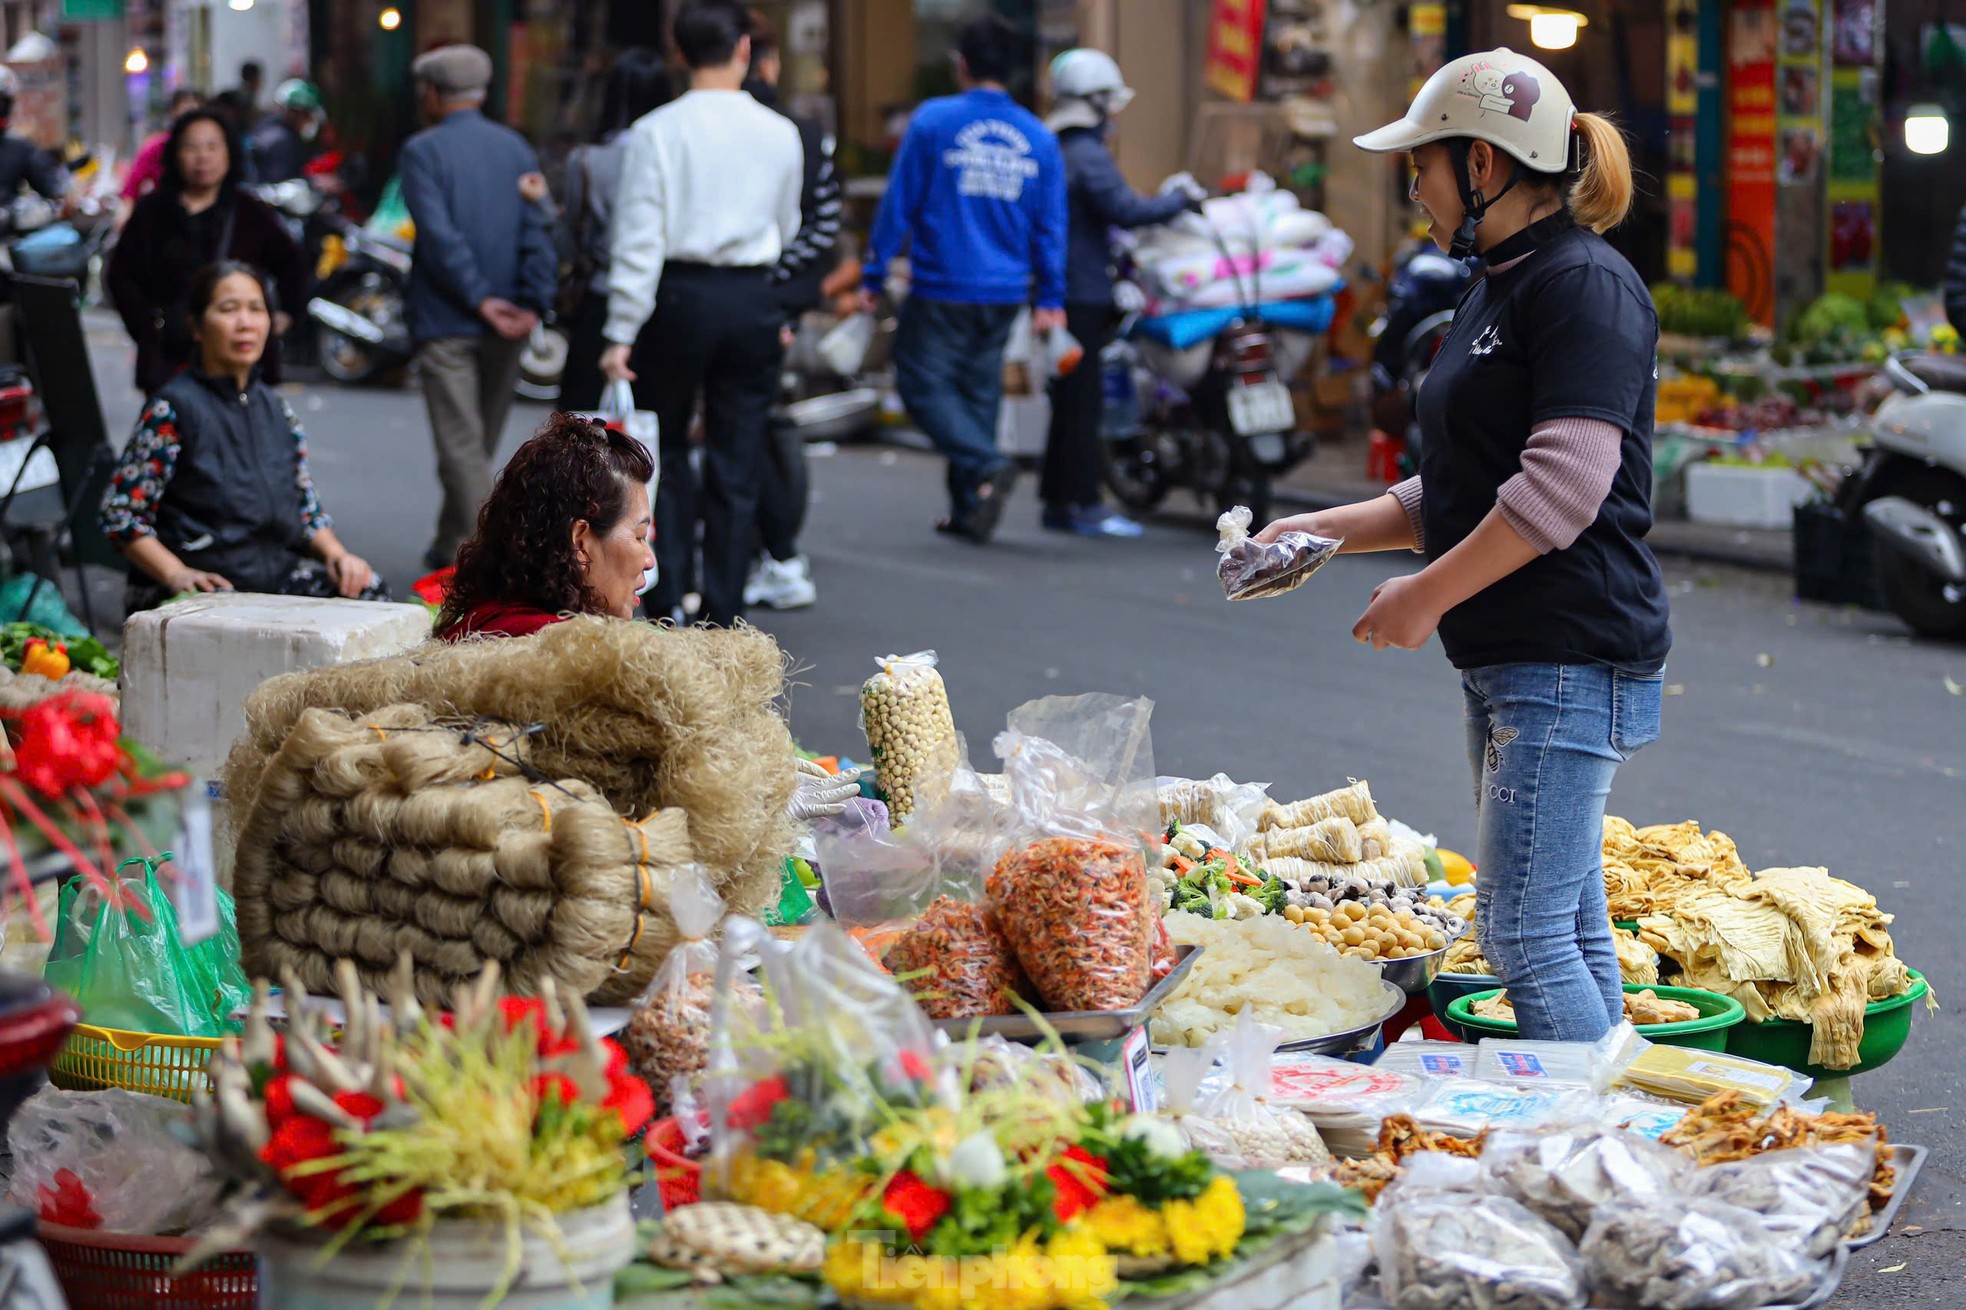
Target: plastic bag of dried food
column 1251, row 570
column 1266, row 1134
column 1564, row 1175
column 1817, row 1193
column 1183, row 1069
column 667, row 1037
column 1220, row 803
column 1449, row 1248
column 910, row 730
column 1051, row 1072
column 1072, row 892
column 1694, row 1253
column 109, row 1160
column 957, row 963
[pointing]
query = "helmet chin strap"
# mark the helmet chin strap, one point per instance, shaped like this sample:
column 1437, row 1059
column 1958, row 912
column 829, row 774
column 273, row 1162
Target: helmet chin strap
column 1474, row 205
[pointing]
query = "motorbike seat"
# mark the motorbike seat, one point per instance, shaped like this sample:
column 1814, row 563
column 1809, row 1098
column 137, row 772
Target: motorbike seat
column 1939, row 372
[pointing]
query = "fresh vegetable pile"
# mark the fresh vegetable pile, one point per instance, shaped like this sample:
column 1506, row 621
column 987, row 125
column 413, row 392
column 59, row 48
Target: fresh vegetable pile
column 1197, row 877
column 82, row 654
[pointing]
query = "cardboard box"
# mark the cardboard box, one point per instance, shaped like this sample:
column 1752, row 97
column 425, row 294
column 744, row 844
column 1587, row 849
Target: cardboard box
column 1743, row 496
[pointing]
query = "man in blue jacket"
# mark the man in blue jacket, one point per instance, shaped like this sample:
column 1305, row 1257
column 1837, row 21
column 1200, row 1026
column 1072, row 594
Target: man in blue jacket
column 485, row 270
column 1087, row 91
column 978, row 192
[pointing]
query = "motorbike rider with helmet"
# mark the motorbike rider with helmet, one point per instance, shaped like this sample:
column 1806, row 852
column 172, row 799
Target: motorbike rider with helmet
column 281, row 146
column 20, row 159
column 1425, row 283
column 1532, row 506
column 1087, row 91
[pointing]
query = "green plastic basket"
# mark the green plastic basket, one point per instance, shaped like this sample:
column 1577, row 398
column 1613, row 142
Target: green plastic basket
column 1718, row 1014
column 1887, row 1026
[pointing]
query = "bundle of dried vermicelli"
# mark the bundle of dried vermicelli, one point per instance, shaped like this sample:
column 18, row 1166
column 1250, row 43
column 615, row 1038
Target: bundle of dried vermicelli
column 397, row 833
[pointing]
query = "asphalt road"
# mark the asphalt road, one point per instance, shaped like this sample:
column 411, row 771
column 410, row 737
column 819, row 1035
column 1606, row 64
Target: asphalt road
column 1812, row 736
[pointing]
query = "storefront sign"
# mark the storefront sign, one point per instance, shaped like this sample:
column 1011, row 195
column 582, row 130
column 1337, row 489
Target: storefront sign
column 1235, row 48
column 91, row 11
column 1751, row 162
column 1855, row 148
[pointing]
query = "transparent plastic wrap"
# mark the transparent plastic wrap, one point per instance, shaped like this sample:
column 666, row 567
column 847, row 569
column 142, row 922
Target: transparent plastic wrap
column 1511, row 1060
column 1442, row 1245
column 1253, row 571
column 1698, row 1253
column 1346, row 1101
column 910, row 729
column 667, row 1036
column 1464, row 1106
column 1266, row 1135
column 1565, row 1174
column 957, row 962
column 1072, row 892
column 1641, row 1115
column 1687, row 1074
column 1816, row 1193
column 111, row 1156
column 1425, row 1059
column 1046, row 1071
column 1230, row 809
column 1183, row 1070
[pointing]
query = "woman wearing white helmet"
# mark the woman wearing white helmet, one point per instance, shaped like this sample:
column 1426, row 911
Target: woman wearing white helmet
column 1087, row 90
column 1532, row 506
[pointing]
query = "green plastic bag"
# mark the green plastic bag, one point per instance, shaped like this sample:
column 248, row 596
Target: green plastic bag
column 44, row 605
column 134, row 973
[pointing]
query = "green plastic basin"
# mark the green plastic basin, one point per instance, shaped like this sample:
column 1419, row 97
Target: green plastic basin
column 1447, row 988
column 1718, row 1015
column 1887, row 1026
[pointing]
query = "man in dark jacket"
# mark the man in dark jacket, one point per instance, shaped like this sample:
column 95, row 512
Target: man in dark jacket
column 1088, row 90
column 782, row 579
column 20, row 159
column 485, row 270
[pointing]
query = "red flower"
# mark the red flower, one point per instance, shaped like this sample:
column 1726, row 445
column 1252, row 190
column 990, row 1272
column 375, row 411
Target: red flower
column 1079, row 1178
column 279, row 1099
column 752, row 1107
column 69, row 1202
column 401, row 1212
column 617, row 1057
column 360, row 1104
column 915, row 1067
column 555, row 1087
column 917, row 1205
column 68, row 741
column 523, row 1009
column 630, row 1097
column 300, row 1139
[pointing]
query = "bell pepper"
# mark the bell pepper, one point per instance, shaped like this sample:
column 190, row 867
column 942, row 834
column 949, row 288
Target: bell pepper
column 48, row 660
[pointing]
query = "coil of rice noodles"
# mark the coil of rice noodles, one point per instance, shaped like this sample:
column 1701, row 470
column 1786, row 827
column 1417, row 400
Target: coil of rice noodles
column 396, row 833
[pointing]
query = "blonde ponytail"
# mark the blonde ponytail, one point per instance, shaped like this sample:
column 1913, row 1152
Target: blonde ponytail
column 1601, row 198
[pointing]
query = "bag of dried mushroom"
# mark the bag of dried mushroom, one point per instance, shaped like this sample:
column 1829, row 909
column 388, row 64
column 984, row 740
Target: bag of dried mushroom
column 668, row 1035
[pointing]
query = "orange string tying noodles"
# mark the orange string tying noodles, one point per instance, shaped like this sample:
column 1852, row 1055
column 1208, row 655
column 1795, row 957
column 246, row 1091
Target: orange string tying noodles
column 545, row 814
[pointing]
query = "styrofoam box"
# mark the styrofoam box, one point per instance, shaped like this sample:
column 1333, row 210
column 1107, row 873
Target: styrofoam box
column 1739, row 495
column 188, row 667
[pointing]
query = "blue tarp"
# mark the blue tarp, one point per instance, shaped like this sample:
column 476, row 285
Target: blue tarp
column 1192, row 326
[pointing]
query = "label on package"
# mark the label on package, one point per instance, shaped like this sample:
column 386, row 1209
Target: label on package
column 1446, row 1066
column 194, row 886
column 1773, row 1082
column 1521, row 1064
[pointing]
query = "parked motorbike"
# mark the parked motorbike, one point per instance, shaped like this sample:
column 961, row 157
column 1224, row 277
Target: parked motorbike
column 361, row 332
column 1910, row 493
column 1425, row 290
column 1215, row 418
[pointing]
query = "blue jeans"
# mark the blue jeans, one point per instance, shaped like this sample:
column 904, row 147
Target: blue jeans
column 948, row 367
column 1544, row 741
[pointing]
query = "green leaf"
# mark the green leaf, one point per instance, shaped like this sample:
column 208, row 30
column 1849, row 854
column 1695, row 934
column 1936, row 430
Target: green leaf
column 641, row 1279
column 763, row 1292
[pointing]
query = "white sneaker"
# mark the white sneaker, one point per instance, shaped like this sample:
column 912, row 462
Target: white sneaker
column 785, row 585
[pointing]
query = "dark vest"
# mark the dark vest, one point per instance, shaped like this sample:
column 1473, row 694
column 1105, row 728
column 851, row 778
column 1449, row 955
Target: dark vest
column 232, row 506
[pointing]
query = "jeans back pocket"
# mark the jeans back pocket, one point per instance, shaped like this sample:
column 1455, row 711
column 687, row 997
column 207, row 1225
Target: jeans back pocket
column 1636, row 702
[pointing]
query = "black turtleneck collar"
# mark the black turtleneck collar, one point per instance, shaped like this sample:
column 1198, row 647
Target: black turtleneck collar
column 1527, row 241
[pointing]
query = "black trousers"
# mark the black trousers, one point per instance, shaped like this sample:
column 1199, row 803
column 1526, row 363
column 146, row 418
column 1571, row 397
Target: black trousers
column 713, row 336
column 1074, row 451
column 581, row 382
column 784, row 489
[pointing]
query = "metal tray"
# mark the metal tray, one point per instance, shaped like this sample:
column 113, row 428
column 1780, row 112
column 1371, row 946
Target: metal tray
column 1081, row 1025
column 1352, row 1039
column 1412, row 974
column 1908, row 1161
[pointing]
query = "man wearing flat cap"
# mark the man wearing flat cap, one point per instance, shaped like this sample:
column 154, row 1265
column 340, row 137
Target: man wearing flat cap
column 485, row 271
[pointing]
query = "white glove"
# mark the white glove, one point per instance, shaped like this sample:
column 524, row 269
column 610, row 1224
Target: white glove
column 821, row 795
column 1128, row 298
column 1184, row 184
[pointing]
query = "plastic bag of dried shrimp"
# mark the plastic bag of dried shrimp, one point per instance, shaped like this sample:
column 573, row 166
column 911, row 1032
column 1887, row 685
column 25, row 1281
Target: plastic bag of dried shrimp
column 1072, row 893
column 667, row 1036
column 957, row 963
column 1267, row 1135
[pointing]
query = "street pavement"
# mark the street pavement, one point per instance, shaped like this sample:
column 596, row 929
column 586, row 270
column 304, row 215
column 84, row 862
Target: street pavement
column 1812, row 736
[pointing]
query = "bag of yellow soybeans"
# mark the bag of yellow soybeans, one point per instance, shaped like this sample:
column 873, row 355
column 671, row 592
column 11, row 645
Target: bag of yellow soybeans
column 910, row 731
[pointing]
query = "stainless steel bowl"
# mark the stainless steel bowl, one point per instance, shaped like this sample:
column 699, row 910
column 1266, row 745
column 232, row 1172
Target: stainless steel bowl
column 836, row 416
column 1412, row 974
column 1352, row 1039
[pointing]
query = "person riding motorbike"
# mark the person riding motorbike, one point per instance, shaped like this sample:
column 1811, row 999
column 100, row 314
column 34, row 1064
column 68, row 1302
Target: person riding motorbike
column 1088, row 90
column 1425, row 283
column 282, row 145
column 23, row 161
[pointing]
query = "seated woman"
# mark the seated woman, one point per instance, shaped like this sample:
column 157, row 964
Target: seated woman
column 565, row 531
column 213, row 491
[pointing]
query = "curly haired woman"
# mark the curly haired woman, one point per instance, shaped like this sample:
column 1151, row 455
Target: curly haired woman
column 564, row 532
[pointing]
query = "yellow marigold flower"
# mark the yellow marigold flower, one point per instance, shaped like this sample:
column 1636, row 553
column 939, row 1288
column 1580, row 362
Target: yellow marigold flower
column 1122, row 1224
column 1208, row 1227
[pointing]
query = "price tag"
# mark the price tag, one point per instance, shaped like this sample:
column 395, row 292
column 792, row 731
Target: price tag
column 194, row 892
column 1143, row 1082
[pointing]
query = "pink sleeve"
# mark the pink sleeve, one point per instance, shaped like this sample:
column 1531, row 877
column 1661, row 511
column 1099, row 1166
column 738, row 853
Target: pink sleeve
column 1407, row 493
column 1567, row 469
column 146, row 170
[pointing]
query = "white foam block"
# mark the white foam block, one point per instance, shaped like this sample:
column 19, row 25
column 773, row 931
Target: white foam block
column 188, row 667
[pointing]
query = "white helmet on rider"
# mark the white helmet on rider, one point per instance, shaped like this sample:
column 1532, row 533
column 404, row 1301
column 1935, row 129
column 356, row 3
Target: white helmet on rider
column 9, row 83
column 1092, row 76
column 1506, row 99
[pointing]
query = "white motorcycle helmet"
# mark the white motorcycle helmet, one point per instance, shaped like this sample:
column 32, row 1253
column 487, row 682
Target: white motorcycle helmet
column 1092, row 76
column 9, row 83
column 1506, row 99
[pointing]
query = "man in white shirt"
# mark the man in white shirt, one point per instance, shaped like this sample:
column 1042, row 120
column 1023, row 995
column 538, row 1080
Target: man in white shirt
column 709, row 198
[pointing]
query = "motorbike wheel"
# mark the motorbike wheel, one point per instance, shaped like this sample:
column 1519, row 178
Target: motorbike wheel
column 345, row 359
column 1913, row 594
column 1136, row 474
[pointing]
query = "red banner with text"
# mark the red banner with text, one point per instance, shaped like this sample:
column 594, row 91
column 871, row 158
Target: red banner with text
column 1235, row 48
column 1751, row 157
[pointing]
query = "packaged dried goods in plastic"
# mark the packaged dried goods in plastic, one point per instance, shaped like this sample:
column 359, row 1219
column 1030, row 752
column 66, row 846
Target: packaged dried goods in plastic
column 910, row 730
column 1509, row 1059
column 1564, row 1174
column 110, row 1160
column 1072, row 891
column 1230, row 809
column 795, row 1088
column 1183, row 1069
column 957, row 963
column 1251, row 570
column 1465, row 1106
column 1042, row 1070
column 667, row 1036
column 1266, row 1134
column 1642, row 1115
column 1429, row 1059
column 1690, row 1076
column 1446, row 1247
column 1816, row 1193
column 1346, row 1101
column 1681, row 1253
